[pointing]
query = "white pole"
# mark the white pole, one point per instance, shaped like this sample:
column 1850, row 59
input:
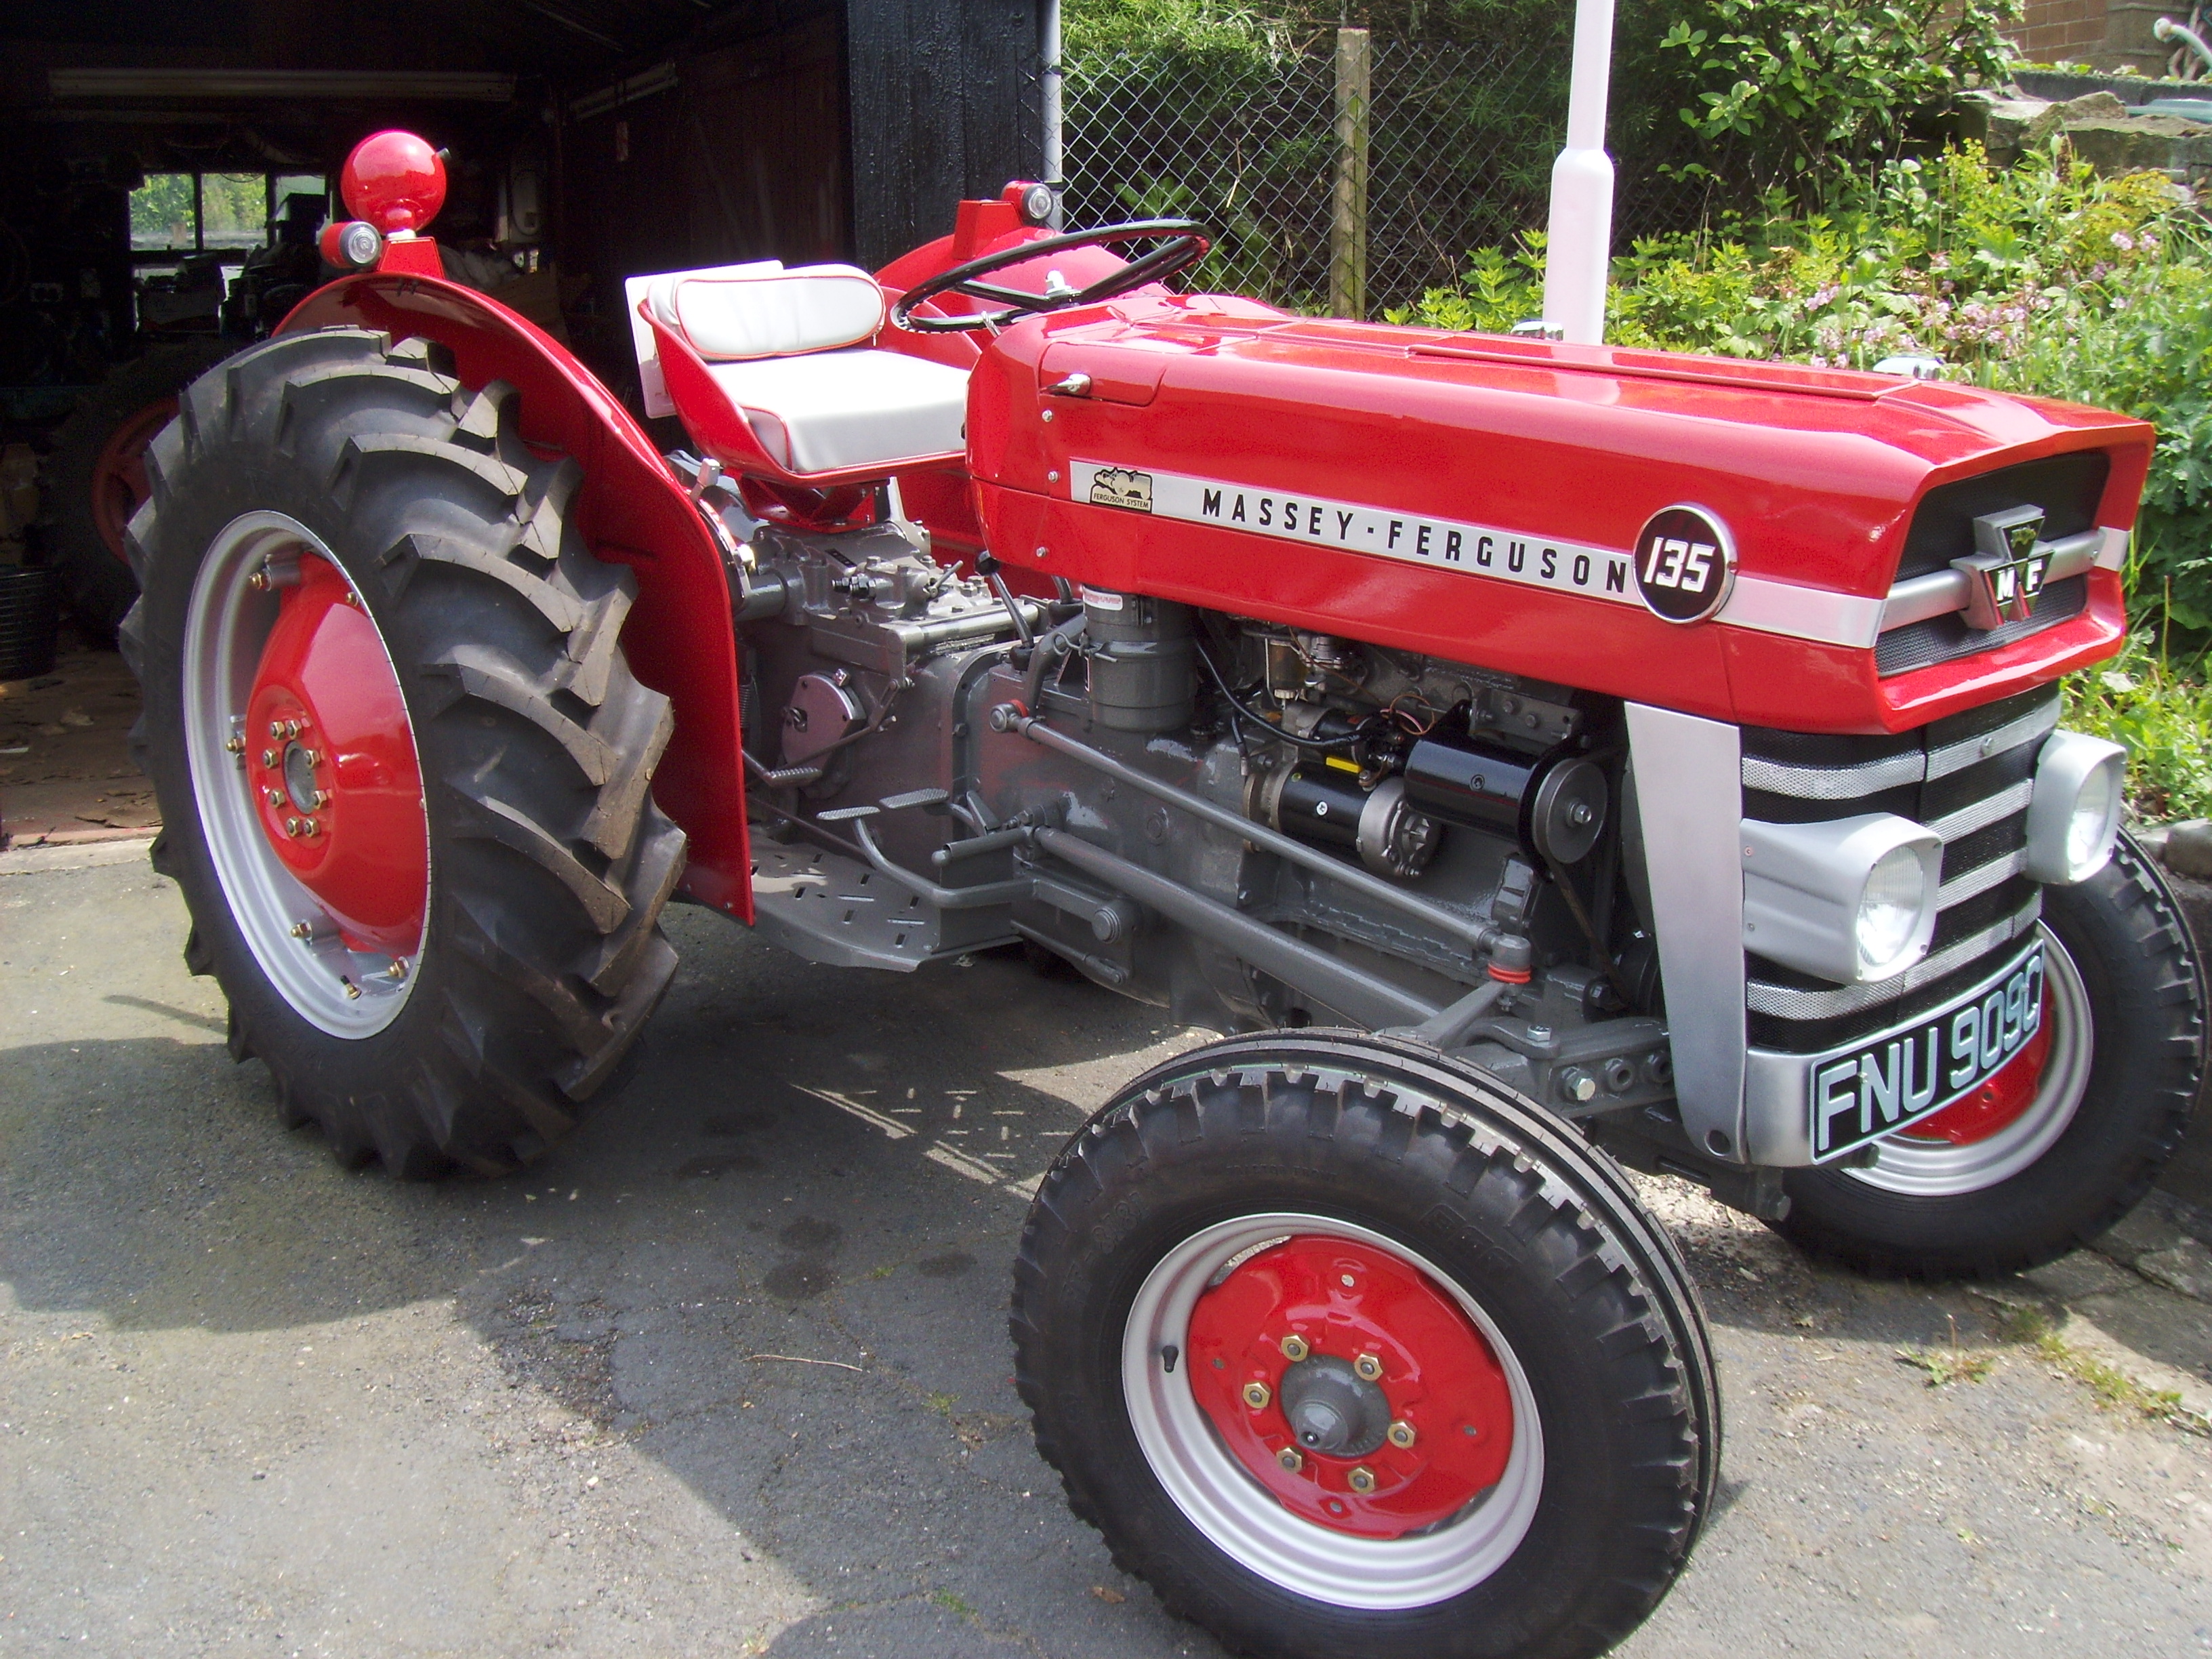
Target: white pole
column 1049, row 84
column 1581, row 239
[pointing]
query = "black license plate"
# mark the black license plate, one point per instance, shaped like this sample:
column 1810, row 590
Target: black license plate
column 1912, row 1072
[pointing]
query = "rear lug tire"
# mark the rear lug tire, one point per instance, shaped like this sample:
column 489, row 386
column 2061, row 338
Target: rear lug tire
column 540, row 954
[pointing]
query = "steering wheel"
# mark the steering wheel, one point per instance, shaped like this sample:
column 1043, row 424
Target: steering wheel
column 1183, row 243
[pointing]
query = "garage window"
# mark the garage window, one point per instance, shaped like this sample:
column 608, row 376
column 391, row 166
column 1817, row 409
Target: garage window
column 174, row 213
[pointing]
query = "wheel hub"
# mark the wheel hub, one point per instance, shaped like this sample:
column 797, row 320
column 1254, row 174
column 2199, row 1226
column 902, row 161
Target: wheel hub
column 330, row 762
column 1352, row 1388
column 1999, row 1101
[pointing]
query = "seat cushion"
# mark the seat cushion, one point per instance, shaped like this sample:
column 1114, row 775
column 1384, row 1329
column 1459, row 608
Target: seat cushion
column 828, row 410
column 733, row 315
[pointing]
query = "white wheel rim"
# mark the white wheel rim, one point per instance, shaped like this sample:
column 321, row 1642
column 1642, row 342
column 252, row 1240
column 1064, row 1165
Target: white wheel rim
column 224, row 630
column 1246, row 1521
column 1915, row 1168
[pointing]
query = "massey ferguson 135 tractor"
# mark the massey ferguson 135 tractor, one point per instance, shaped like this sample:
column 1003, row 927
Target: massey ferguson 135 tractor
column 1548, row 757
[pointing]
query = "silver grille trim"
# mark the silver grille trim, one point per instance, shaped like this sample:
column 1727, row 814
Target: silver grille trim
column 1973, row 883
column 1915, row 766
column 1943, row 591
column 1796, row 1002
column 1985, row 811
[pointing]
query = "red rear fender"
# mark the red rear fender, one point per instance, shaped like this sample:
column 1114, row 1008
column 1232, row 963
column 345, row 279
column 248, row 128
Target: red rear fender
column 631, row 511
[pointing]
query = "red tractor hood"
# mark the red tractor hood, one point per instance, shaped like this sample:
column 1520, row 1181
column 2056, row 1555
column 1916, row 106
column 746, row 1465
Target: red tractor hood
column 1380, row 481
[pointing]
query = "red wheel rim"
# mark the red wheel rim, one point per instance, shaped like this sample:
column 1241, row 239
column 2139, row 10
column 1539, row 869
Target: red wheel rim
column 331, row 764
column 118, row 472
column 1999, row 1101
column 1413, row 1412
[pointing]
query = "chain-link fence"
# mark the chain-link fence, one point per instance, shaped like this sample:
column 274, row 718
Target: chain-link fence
column 1266, row 146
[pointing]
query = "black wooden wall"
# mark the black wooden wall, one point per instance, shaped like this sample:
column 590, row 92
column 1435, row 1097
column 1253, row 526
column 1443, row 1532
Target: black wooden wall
column 944, row 102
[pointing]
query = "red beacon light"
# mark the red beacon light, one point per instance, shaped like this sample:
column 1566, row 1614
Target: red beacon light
column 393, row 185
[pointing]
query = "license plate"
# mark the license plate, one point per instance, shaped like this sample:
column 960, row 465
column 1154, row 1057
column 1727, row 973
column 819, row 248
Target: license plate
column 1913, row 1071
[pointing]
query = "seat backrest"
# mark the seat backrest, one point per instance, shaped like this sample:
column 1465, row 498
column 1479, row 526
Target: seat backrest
column 729, row 317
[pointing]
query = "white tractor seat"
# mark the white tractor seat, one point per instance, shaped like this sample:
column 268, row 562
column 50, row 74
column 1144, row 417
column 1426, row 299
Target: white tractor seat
column 787, row 348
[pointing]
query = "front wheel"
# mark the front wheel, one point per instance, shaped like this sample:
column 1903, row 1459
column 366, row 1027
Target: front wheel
column 2065, row 1139
column 1349, row 1350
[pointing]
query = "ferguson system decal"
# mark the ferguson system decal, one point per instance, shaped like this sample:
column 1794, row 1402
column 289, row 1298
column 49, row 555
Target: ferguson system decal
column 1685, row 564
column 1479, row 549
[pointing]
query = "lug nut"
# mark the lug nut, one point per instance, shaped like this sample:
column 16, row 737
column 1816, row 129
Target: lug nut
column 291, row 826
column 275, row 797
column 269, row 757
column 277, row 729
column 1257, row 1396
column 311, row 826
column 236, row 745
column 302, row 929
column 1295, row 1349
column 315, row 756
column 397, row 971
column 1401, row 1434
column 1369, row 1366
column 1361, row 1479
column 1291, row 1458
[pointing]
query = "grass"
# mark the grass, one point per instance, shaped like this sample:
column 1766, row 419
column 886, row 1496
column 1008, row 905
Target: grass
column 1945, row 1366
column 2115, row 1390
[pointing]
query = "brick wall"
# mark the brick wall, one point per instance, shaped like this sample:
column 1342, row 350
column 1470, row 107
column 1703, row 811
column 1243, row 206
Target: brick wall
column 2054, row 29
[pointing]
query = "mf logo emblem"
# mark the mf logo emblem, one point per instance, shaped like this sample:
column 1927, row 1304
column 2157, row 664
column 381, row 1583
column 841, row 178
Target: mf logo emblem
column 2005, row 573
column 1122, row 486
column 1685, row 564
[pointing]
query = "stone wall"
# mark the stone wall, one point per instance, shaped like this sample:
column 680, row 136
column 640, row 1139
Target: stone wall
column 2107, row 34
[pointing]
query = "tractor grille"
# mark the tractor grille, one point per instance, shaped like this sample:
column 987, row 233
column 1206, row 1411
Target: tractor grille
column 1968, row 779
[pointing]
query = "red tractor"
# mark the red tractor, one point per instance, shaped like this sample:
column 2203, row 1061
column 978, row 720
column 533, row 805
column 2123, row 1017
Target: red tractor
column 1549, row 757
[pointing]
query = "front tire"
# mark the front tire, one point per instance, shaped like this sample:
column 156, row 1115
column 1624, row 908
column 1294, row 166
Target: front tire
column 2110, row 1102
column 1201, row 1251
column 431, row 887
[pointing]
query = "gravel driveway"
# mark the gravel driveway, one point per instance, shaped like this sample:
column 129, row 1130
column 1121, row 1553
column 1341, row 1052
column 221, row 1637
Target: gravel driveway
column 728, row 1373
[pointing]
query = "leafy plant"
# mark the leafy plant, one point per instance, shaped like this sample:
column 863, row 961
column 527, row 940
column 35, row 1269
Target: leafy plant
column 1803, row 93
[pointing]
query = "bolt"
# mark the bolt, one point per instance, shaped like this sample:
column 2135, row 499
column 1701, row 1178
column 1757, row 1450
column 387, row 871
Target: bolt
column 275, row 797
column 314, row 798
column 258, row 581
column 269, row 757
column 1345, row 1279
column 1257, row 1396
column 291, row 728
column 302, row 929
column 291, row 826
column 1295, row 1349
column 1290, row 1458
column 311, row 826
column 1539, row 1034
column 314, row 757
column 399, row 972
column 236, row 745
column 1369, row 1366
column 1401, row 1434
column 277, row 729
column 1361, row 1479
column 1578, row 1086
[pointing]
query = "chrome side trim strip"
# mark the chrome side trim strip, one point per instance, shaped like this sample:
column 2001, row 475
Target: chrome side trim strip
column 1985, row 811
column 1981, row 878
column 1794, row 1002
column 1686, row 773
column 1942, row 592
column 1799, row 612
column 1956, row 758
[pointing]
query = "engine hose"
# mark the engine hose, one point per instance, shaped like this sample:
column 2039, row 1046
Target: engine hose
column 1051, row 652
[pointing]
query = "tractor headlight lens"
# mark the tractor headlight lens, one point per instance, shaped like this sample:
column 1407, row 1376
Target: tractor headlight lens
column 1852, row 900
column 1890, row 905
column 2074, row 812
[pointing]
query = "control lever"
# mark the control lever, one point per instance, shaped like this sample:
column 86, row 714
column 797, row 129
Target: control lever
column 986, row 566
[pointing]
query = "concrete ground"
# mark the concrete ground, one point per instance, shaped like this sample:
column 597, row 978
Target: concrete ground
column 728, row 1372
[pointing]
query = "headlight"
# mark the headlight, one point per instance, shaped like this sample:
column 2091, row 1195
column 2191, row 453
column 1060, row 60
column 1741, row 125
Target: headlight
column 2074, row 812
column 1890, row 908
column 1852, row 901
